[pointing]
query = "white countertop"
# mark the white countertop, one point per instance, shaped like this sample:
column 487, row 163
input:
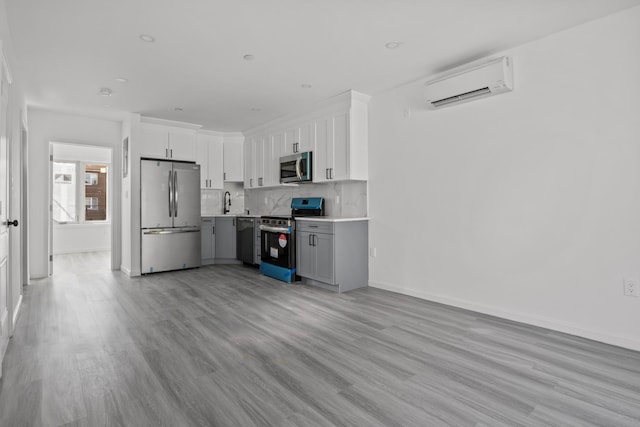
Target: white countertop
column 229, row 215
column 331, row 219
column 305, row 218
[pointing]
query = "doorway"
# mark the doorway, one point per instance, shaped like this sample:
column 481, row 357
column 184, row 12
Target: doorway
column 81, row 180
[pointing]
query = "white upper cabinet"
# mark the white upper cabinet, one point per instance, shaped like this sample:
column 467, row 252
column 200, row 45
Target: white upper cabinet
column 210, row 158
column 333, row 152
column 253, row 166
column 298, row 139
column 167, row 142
column 342, row 149
column 233, row 158
column 336, row 133
column 272, row 160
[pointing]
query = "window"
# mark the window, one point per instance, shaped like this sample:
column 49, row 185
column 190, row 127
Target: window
column 91, row 203
column 69, row 188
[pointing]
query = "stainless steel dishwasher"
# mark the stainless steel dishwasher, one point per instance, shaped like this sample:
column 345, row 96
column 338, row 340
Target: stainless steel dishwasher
column 245, row 239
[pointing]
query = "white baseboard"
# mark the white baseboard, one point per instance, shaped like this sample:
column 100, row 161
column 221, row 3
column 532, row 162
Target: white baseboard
column 16, row 312
column 568, row 328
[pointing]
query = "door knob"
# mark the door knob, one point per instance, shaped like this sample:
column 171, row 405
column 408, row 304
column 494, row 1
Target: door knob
column 14, row 223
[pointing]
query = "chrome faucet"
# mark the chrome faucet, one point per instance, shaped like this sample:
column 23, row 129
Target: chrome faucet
column 227, row 209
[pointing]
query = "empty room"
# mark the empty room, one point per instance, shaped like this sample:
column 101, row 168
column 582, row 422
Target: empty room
column 320, row 213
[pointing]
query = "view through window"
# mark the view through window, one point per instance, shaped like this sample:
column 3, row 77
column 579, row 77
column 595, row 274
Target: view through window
column 78, row 181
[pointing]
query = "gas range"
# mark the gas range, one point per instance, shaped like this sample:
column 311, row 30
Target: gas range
column 277, row 232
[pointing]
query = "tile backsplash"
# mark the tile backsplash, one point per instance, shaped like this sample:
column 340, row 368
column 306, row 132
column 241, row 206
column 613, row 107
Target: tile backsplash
column 212, row 201
column 341, row 199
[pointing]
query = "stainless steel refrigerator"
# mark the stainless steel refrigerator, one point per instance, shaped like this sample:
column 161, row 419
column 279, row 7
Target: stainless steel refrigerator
column 169, row 215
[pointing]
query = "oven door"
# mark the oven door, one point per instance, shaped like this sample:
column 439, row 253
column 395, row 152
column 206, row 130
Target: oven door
column 278, row 246
column 289, row 168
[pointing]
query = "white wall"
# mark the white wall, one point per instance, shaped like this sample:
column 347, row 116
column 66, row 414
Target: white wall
column 525, row 205
column 131, row 198
column 45, row 127
column 75, row 238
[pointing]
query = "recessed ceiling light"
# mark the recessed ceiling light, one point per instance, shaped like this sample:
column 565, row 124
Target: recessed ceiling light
column 147, row 38
column 178, row 109
column 393, row 45
column 256, row 109
column 248, row 57
column 105, row 91
column 121, row 80
column 305, row 86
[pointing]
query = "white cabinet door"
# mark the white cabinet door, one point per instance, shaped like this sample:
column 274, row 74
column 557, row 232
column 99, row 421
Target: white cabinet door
column 332, row 152
column 258, row 151
column 202, row 150
column 291, row 139
column 321, row 161
column 215, row 158
column 154, row 141
column 182, row 144
column 249, row 162
column 233, row 163
column 307, row 137
column 210, row 157
column 277, row 149
column 338, row 152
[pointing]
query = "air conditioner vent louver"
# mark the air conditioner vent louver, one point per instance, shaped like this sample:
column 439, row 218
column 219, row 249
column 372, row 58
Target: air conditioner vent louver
column 481, row 81
column 461, row 97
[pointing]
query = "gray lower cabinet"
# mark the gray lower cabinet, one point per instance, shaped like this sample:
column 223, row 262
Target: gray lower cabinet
column 208, row 240
column 225, row 240
column 257, row 255
column 333, row 255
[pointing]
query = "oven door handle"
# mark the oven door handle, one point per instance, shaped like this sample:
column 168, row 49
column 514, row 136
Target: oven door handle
column 283, row 230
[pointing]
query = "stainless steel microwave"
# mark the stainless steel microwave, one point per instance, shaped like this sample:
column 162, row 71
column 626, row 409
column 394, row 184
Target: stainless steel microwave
column 296, row 168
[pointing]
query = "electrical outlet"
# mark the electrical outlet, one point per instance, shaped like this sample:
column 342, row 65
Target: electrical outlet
column 372, row 252
column 631, row 287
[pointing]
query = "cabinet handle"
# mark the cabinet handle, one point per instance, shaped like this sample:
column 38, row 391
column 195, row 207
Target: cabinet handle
column 326, row 173
column 313, row 226
column 331, row 173
column 224, row 176
column 234, row 222
column 166, row 152
column 250, row 182
column 213, row 230
column 310, row 239
column 171, row 152
column 314, row 240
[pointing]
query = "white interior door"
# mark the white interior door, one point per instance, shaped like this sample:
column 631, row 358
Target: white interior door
column 5, row 289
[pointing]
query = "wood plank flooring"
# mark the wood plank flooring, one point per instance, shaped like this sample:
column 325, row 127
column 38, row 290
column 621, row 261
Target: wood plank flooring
column 225, row 346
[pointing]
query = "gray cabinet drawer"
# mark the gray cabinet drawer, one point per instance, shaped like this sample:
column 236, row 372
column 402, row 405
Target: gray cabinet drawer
column 315, row 227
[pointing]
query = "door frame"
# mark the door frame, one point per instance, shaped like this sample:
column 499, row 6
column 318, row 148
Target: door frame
column 114, row 185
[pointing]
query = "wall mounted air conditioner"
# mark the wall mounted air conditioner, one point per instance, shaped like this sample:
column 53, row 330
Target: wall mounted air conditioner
column 481, row 81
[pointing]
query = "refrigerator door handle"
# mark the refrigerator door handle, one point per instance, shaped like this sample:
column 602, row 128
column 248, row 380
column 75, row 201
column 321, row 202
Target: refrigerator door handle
column 175, row 191
column 171, row 231
column 170, row 194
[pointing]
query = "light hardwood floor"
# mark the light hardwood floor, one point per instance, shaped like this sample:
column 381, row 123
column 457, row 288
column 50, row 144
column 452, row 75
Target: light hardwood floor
column 225, row 346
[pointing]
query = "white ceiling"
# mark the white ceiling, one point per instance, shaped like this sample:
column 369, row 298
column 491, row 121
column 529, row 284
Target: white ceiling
column 68, row 49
